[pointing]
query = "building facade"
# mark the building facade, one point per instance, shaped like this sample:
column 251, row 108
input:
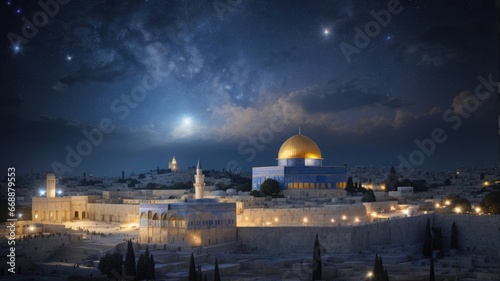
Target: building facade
column 300, row 166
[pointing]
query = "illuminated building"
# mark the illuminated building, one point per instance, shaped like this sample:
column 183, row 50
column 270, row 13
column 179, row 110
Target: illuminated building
column 300, row 166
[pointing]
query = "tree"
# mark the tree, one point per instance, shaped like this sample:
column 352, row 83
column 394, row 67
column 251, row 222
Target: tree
column 491, row 203
column 379, row 274
column 377, row 268
column 437, row 241
column 216, row 272
column 150, row 270
column 431, row 273
column 391, row 180
column 146, row 262
column 427, row 251
column 454, row 237
column 255, row 193
column 350, row 185
column 192, row 269
column 245, row 187
column 141, row 268
column 270, row 187
column 142, row 176
column 130, row 267
column 369, row 196
column 317, row 273
column 111, row 265
column 462, row 203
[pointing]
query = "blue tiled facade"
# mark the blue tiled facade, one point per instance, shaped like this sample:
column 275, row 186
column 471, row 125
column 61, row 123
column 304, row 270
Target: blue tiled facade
column 301, row 177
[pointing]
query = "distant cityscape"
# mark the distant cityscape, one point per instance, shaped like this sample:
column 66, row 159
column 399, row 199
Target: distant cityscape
column 245, row 223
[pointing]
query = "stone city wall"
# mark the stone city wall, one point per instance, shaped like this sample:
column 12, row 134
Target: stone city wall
column 307, row 216
column 334, row 239
column 479, row 234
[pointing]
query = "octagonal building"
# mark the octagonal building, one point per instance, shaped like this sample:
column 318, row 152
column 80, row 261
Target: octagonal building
column 300, row 166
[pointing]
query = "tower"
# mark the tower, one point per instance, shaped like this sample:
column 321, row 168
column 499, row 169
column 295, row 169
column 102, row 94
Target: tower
column 173, row 165
column 51, row 186
column 199, row 182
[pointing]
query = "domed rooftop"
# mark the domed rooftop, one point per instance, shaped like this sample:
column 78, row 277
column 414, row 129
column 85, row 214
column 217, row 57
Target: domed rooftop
column 299, row 146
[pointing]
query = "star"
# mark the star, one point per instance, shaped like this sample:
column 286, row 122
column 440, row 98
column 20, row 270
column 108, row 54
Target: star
column 69, row 58
column 326, row 31
column 17, row 49
column 18, row 11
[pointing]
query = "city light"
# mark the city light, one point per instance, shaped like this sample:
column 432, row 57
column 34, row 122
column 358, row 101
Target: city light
column 486, row 183
column 356, row 220
column 344, row 217
column 305, row 220
column 59, row 192
column 447, row 202
column 374, row 214
column 437, row 205
column 458, row 210
column 332, row 220
column 20, row 215
column 41, row 192
column 478, row 209
column 275, row 219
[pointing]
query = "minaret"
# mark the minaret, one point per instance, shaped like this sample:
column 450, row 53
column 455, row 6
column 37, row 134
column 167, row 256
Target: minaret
column 51, row 186
column 199, row 182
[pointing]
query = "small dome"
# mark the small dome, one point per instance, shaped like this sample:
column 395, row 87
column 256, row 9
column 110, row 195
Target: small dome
column 218, row 193
column 231, row 192
column 299, row 146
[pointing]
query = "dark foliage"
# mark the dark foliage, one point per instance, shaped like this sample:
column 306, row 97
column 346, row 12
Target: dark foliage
column 111, row 265
column 317, row 273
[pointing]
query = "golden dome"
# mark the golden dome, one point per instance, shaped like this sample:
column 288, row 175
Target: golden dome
column 299, row 146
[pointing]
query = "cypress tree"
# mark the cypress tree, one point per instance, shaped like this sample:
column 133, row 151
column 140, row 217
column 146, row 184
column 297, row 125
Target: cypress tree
column 141, row 268
column 379, row 273
column 376, row 268
column 427, row 251
column 192, row 269
column 146, row 263
column 150, row 271
column 216, row 271
column 130, row 267
column 431, row 274
column 437, row 241
column 454, row 237
column 317, row 273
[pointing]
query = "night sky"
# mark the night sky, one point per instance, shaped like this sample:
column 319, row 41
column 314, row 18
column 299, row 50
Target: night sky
column 229, row 81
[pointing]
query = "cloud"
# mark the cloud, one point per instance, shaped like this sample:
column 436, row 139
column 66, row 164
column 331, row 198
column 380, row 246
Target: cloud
column 441, row 44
